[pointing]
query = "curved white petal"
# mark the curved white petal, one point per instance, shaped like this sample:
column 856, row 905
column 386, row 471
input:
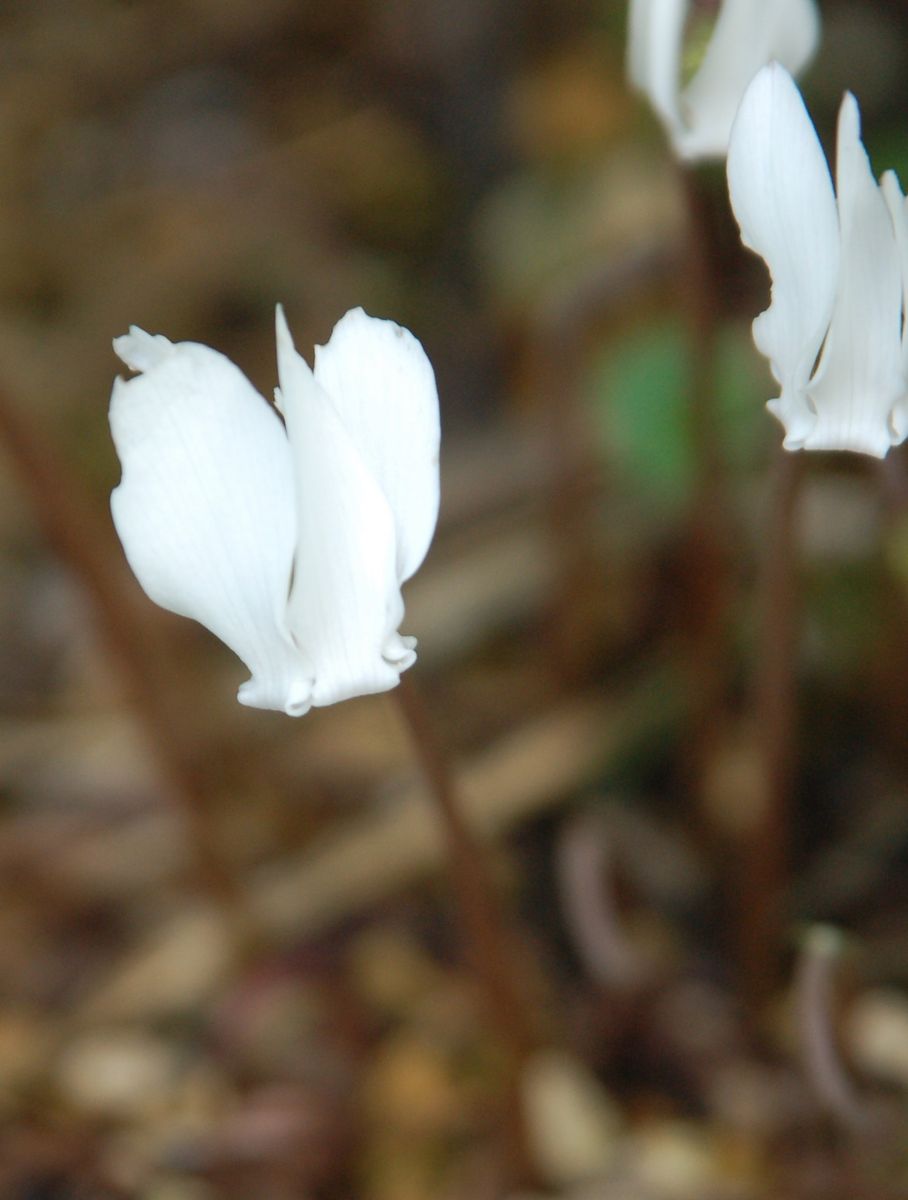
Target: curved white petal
column 383, row 389
column 345, row 604
column 748, row 34
column 205, row 507
column 898, row 211
column 782, row 197
column 859, row 380
column 897, row 205
column 655, row 35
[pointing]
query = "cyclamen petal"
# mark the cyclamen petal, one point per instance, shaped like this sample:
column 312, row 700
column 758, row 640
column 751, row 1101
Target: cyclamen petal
column 837, row 267
column 655, row 36
column 205, row 506
column 219, row 509
column 859, row 379
column 747, row 35
column 782, row 197
column 383, row 389
column 897, row 204
column 345, row 603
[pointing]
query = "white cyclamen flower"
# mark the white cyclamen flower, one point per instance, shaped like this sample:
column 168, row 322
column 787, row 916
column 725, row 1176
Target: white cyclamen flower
column 747, row 35
column 289, row 541
column 839, row 265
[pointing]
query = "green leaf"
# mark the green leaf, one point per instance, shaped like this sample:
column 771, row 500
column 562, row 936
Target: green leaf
column 640, row 390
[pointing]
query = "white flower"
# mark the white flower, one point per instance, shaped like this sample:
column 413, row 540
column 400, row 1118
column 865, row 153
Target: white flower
column 747, row 35
column 290, row 544
column 833, row 333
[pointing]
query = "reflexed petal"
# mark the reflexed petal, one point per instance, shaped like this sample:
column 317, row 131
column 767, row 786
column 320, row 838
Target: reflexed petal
column 655, row 34
column 345, row 604
column 205, row 506
column 782, row 197
column 383, row 389
column 898, row 211
column 859, row 380
column 748, row 34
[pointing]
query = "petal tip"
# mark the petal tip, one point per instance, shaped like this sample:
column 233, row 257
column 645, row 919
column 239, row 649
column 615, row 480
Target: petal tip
column 399, row 651
column 291, row 366
column 295, row 703
column 849, row 125
column 141, row 351
column 282, row 329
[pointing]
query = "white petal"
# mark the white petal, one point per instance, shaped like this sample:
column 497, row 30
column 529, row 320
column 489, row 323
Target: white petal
column 140, row 350
column 383, row 389
column 205, row 507
column 898, row 214
column 748, row 34
column 782, row 197
column 859, row 380
column 345, row 603
column 655, row 34
column 898, row 211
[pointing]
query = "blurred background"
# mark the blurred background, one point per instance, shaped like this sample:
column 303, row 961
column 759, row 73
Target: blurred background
column 671, row 674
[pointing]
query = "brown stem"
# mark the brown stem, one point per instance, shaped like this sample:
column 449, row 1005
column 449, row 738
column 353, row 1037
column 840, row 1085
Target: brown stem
column 893, row 474
column 489, row 942
column 765, row 853
column 893, row 480
column 706, row 574
column 701, row 300
column 86, row 544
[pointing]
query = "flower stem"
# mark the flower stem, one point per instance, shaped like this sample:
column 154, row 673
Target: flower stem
column 489, row 942
column 814, row 1000
column 765, row 853
column 83, row 541
column 585, row 871
column 705, row 561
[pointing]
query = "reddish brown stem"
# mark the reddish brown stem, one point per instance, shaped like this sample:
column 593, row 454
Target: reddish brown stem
column 85, row 542
column 893, row 475
column 765, row 853
column 706, row 581
column 490, row 943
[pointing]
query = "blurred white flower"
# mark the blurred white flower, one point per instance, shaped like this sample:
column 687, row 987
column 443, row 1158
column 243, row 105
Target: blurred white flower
column 747, row 35
column 289, row 541
column 833, row 332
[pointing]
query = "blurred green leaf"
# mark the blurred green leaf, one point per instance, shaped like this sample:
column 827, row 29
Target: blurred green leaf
column 640, row 392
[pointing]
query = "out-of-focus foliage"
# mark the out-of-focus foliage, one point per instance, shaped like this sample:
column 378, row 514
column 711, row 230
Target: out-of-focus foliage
column 641, row 390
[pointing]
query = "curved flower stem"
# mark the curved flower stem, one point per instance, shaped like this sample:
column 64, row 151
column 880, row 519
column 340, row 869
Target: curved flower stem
column 83, row 541
column 489, row 942
column 585, row 870
column 814, row 1000
column 765, row 854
